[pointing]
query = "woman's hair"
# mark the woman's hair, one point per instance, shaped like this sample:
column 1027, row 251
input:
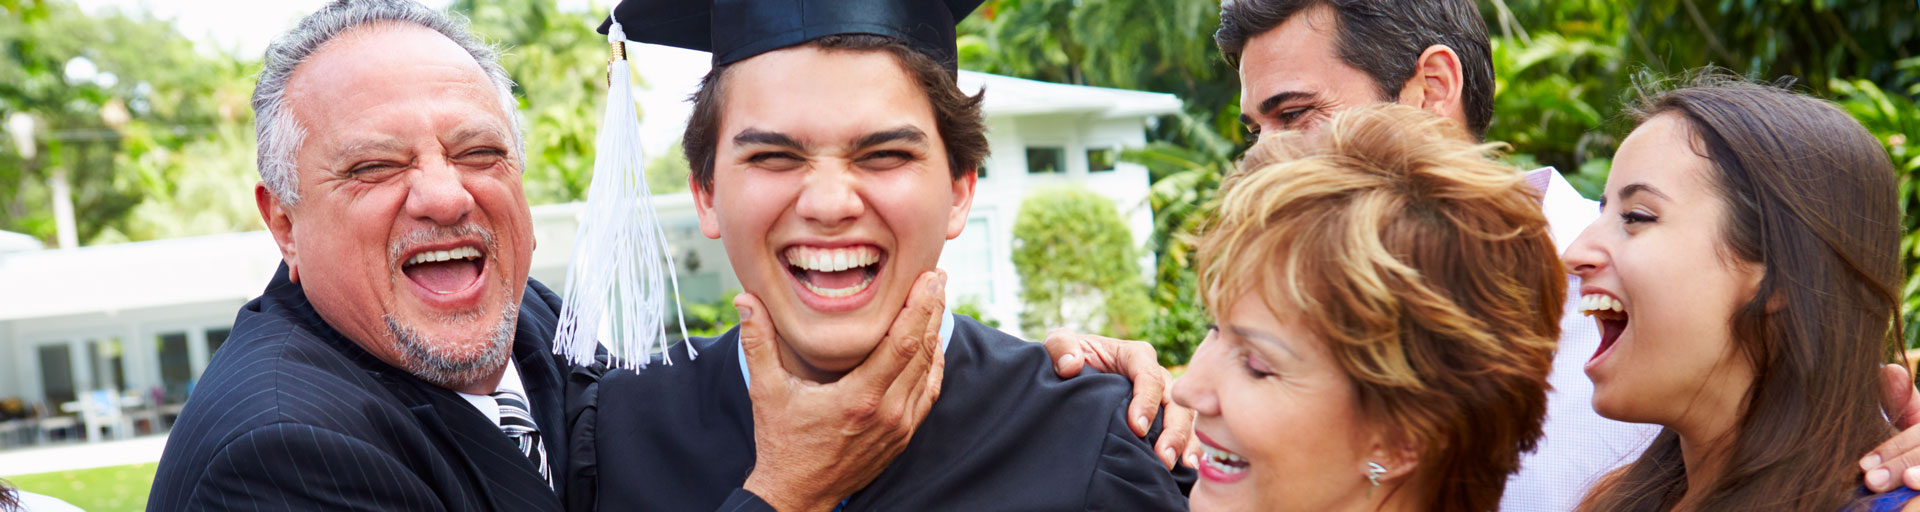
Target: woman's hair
column 9, row 497
column 1428, row 270
column 1810, row 196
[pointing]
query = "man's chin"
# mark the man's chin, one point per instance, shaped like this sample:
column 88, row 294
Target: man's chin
column 826, row 362
column 455, row 356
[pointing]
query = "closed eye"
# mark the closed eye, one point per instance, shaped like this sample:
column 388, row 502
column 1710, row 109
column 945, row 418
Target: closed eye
column 373, row 171
column 776, row 159
column 1255, row 367
column 887, row 159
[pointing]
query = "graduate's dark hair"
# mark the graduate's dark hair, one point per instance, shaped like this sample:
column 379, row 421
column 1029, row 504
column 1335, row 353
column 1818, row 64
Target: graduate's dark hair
column 955, row 115
column 1809, row 195
column 1383, row 38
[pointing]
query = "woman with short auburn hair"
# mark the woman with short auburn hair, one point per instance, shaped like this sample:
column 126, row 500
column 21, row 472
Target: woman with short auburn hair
column 1387, row 301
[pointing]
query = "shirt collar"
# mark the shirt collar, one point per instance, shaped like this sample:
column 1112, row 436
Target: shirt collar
column 509, row 381
column 946, row 336
column 1568, row 213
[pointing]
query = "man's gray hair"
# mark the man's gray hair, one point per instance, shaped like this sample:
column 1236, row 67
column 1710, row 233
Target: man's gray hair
column 280, row 136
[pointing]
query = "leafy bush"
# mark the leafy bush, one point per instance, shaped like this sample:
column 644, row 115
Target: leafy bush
column 1077, row 264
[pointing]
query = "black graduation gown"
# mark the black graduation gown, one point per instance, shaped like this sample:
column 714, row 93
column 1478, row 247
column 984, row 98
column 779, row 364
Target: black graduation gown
column 291, row 415
column 1006, row 434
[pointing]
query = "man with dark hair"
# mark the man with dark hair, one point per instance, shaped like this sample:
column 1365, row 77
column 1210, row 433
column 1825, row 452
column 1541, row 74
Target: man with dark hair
column 834, row 155
column 1429, row 54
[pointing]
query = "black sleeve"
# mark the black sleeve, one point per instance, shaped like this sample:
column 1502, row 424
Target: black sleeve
column 742, row 500
column 1130, row 477
column 286, row 466
column 581, row 477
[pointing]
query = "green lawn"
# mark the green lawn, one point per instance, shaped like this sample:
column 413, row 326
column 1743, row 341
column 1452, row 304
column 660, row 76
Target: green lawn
column 108, row 489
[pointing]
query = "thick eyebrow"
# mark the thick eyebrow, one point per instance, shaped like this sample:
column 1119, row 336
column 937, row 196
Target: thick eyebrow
column 1261, row 337
column 906, row 134
column 754, row 136
column 1272, row 102
column 1635, row 188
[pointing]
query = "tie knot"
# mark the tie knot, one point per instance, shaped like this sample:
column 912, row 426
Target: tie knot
column 515, row 418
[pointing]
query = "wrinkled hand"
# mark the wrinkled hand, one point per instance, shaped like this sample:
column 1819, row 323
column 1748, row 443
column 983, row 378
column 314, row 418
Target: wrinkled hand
column 1152, row 385
column 815, row 444
column 1898, row 459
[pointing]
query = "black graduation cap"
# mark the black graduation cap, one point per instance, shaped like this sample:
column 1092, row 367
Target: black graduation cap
column 733, row 30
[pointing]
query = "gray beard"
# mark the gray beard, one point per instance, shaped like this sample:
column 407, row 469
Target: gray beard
column 434, row 363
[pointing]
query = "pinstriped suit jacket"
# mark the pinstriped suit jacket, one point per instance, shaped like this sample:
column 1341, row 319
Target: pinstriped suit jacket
column 290, row 415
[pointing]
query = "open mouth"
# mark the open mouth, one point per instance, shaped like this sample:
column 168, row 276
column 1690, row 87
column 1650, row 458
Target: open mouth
column 1219, row 464
column 833, row 272
column 445, row 271
column 1610, row 314
column 1223, row 461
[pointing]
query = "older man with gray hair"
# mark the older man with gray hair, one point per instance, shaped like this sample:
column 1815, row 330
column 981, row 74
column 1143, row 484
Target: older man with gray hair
column 400, row 359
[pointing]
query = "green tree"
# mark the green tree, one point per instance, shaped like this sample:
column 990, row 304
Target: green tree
column 668, row 172
column 1149, row 45
column 559, row 68
column 129, row 113
column 1077, row 263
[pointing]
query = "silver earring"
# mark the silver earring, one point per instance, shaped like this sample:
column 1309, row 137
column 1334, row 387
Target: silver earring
column 1374, row 472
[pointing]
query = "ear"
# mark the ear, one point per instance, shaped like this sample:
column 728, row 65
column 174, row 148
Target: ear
column 1436, row 84
column 280, row 224
column 1757, row 274
column 962, row 203
column 1400, row 458
column 703, row 207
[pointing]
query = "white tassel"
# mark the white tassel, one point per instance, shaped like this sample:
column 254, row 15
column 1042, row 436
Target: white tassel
column 616, row 284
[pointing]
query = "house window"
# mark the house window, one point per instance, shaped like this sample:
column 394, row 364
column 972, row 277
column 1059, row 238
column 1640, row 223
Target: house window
column 1046, row 160
column 176, row 371
column 56, row 375
column 1101, row 159
column 216, row 337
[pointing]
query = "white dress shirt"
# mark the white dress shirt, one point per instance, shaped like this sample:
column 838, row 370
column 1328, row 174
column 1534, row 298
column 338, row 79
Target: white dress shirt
column 1578, row 446
column 491, row 408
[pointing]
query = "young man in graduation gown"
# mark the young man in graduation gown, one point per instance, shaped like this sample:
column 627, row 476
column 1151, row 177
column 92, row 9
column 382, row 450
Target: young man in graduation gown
column 833, row 155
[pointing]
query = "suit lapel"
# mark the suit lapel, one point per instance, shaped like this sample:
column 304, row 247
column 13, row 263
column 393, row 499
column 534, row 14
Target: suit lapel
column 506, row 480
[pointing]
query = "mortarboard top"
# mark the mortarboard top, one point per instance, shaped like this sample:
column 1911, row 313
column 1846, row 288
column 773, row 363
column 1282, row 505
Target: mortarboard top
column 745, row 28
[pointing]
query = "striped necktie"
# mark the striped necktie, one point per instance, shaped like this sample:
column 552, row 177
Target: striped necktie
column 518, row 425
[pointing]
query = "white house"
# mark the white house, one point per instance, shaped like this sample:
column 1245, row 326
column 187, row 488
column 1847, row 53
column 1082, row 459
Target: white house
column 144, row 318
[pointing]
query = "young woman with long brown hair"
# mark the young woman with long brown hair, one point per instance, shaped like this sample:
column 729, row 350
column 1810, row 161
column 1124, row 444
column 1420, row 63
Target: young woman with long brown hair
column 1745, row 274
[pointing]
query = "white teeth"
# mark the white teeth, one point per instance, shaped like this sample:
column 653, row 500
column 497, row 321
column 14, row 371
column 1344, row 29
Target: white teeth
column 838, row 292
column 1223, row 461
column 450, row 254
column 1594, row 302
column 831, row 260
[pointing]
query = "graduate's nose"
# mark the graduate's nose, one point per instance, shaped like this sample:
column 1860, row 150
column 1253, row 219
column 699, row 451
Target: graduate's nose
column 830, row 195
column 436, row 193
